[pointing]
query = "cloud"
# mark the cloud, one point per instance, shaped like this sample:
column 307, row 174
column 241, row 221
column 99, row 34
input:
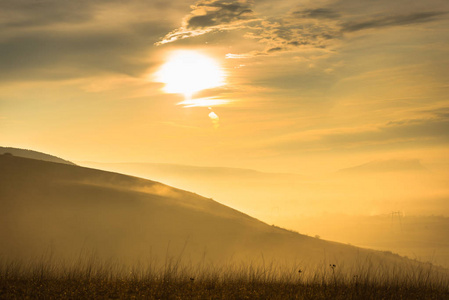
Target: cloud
column 50, row 39
column 54, row 40
column 322, row 28
column 426, row 130
column 413, row 130
column 313, row 25
column 212, row 15
column 292, row 33
column 292, row 30
column 19, row 14
column 442, row 112
column 317, row 13
column 390, row 21
column 48, row 55
column 203, row 102
column 25, row 13
column 219, row 12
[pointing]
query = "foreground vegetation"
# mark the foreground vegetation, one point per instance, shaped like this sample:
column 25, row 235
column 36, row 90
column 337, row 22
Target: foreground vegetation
column 173, row 280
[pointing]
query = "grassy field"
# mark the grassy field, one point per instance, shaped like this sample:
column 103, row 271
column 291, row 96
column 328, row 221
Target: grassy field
column 89, row 279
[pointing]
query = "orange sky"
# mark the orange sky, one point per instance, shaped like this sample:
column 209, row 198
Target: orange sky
column 311, row 86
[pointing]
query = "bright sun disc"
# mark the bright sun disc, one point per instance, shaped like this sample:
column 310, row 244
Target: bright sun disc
column 188, row 72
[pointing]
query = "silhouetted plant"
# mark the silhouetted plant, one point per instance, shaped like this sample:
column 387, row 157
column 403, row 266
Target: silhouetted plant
column 333, row 266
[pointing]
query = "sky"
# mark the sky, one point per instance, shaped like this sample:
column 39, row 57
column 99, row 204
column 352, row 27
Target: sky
column 306, row 87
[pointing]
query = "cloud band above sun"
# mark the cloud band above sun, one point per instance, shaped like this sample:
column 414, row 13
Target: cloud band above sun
column 212, row 15
column 313, row 25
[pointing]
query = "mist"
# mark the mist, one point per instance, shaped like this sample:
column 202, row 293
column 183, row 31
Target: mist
column 354, row 205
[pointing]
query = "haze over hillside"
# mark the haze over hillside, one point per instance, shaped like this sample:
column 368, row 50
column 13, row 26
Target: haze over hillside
column 330, row 205
column 64, row 209
column 371, row 188
column 247, row 185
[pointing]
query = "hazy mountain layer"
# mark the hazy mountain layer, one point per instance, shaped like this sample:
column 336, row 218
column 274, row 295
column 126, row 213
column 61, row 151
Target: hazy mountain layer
column 66, row 209
column 387, row 166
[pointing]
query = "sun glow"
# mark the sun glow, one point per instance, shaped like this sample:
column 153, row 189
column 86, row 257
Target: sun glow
column 188, row 72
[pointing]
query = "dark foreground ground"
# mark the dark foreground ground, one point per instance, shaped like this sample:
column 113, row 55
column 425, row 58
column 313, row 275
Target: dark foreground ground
column 173, row 282
column 103, row 289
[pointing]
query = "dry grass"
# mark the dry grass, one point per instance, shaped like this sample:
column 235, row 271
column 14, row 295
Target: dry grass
column 172, row 279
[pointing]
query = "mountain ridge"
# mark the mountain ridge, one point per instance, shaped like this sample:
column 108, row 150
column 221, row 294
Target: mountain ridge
column 382, row 166
column 118, row 216
column 27, row 153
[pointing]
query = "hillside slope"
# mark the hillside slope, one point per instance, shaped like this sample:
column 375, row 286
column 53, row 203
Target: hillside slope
column 33, row 154
column 66, row 209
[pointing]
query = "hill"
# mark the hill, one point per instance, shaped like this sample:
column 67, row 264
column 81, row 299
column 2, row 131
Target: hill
column 392, row 165
column 66, row 209
column 33, row 154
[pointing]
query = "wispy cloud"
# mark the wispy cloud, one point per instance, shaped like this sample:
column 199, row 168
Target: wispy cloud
column 292, row 32
column 317, row 13
column 278, row 34
column 212, row 15
column 219, row 12
column 22, row 13
column 54, row 40
column 432, row 127
column 442, row 112
column 203, row 102
column 306, row 27
column 390, row 21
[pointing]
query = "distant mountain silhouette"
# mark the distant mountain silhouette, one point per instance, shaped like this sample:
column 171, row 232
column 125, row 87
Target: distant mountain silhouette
column 33, row 154
column 247, row 184
column 190, row 171
column 393, row 165
column 46, row 206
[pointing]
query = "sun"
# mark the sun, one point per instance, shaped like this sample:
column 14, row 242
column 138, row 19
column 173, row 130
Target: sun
column 188, row 72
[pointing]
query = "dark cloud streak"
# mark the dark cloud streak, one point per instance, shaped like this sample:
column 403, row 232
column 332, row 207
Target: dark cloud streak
column 218, row 12
column 318, row 13
column 211, row 16
column 59, row 55
column 53, row 39
column 309, row 27
column 37, row 13
column 425, row 130
column 24, row 13
column 390, row 21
